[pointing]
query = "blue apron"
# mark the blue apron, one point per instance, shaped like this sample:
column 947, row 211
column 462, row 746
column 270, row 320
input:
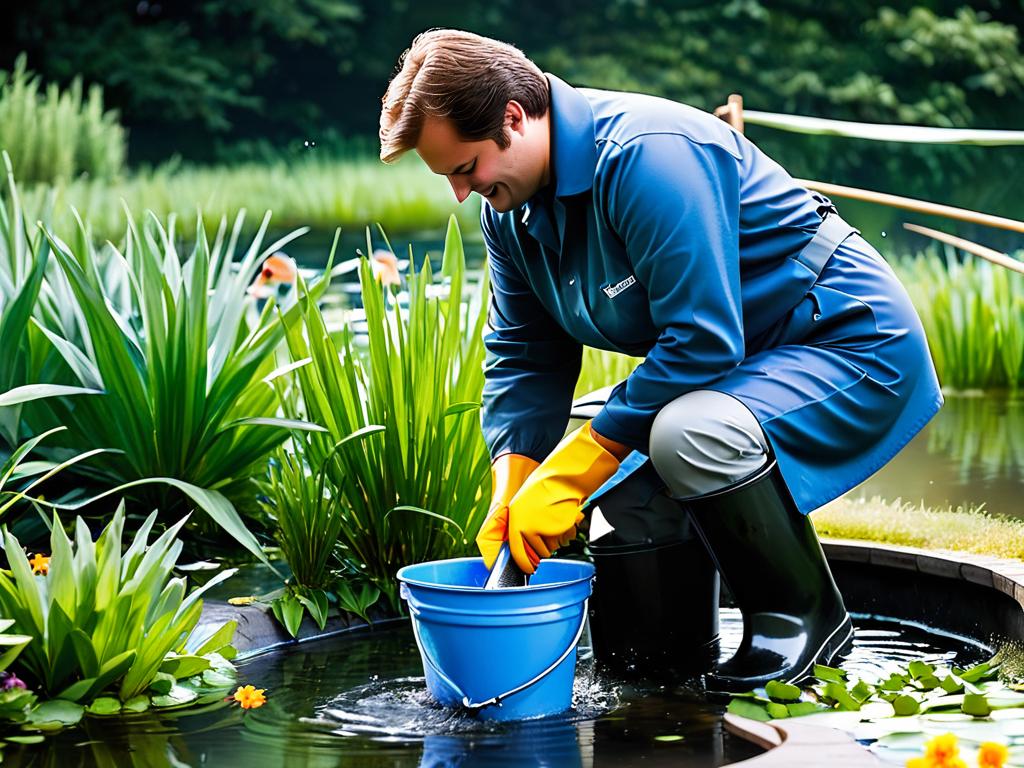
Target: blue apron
column 667, row 235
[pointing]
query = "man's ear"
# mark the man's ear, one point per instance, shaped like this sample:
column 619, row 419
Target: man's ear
column 515, row 116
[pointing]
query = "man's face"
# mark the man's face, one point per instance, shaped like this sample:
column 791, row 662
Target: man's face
column 506, row 178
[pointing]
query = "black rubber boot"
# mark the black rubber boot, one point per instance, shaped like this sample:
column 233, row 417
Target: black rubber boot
column 770, row 558
column 655, row 603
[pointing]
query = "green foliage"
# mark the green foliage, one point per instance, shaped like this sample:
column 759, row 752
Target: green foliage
column 306, row 517
column 181, row 369
column 99, row 620
column 351, row 192
column 28, row 304
column 946, row 64
column 11, row 643
column 57, row 135
column 602, row 369
column 973, row 315
column 186, row 61
column 404, row 449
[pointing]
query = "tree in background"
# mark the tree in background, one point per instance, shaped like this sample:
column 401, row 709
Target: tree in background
column 181, row 70
column 286, row 70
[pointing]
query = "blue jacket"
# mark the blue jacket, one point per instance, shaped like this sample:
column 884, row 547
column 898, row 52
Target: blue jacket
column 667, row 235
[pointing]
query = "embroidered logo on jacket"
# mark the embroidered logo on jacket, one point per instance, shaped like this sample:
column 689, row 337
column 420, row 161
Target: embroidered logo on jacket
column 614, row 290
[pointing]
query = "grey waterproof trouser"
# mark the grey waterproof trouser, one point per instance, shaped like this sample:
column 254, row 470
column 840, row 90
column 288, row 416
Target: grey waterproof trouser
column 701, row 442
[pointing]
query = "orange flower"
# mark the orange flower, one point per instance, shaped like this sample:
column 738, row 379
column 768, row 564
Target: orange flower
column 250, row 697
column 992, row 755
column 40, row 564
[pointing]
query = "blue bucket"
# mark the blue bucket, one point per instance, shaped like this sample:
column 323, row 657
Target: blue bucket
column 505, row 654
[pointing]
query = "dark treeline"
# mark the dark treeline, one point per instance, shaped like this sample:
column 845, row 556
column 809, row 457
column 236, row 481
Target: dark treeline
column 197, row 78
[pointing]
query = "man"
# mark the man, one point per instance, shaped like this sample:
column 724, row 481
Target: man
column 783, row 361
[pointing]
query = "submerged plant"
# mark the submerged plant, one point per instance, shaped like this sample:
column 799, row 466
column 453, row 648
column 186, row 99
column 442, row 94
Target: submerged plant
column 181, row 367
column 102, row 622
column 403, row 449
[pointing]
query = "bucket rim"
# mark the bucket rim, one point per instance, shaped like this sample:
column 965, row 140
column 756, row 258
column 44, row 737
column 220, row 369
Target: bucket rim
column 419, row 583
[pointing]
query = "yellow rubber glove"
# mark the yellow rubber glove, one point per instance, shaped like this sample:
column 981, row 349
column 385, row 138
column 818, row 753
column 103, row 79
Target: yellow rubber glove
column 544, row 514
column 508, row 472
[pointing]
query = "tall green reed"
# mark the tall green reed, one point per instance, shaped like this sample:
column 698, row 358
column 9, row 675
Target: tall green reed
column 54, row 135
column 404, row 449
column 973, row 315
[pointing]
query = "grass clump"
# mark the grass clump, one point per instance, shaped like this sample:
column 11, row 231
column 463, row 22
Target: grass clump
column 351, row 192
column 961, row 529
column 602, row 368
column 56, row 135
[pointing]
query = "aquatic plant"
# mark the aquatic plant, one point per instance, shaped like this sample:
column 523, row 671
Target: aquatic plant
column 181, row 363
column 109, row 625
column 307, row 519
column 900, row 712
column 403, row 447
column 28, row 306
column 56, row 135
column 973, row 315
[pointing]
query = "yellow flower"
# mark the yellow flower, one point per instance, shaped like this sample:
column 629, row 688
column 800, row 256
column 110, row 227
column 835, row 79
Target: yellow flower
column 940, row 752
column 942, row 749
column 992, row 755
column 250, row 697
column 40, row 564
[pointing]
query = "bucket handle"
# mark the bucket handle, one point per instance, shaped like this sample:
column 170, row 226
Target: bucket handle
column 496, row 700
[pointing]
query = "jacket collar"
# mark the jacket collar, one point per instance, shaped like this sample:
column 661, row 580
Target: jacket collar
column 573, row 152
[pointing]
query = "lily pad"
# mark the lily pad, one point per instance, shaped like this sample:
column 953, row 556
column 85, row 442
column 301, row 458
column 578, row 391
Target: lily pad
column 56, row 711
column 905, row 705
column 780, row 691
column 749, row 709
column 176, row 697
column 136, row 704
column 976, row 705
column 104, row 705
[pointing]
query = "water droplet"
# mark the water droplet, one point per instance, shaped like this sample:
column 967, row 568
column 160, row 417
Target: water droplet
column 884, row 234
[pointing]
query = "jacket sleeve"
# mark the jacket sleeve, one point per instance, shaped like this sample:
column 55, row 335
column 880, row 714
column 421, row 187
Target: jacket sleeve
column 675, row 205
column 531, row 366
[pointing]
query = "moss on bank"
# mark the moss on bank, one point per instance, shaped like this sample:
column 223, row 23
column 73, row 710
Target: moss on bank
column 901, row 523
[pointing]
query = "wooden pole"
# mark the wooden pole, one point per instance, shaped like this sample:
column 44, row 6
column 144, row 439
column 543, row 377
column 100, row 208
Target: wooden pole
column 732, row 112
column 910, row 204
column 966, row 245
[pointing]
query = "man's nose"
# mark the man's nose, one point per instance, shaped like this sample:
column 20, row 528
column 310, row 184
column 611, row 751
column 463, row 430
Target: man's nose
column 460, row 186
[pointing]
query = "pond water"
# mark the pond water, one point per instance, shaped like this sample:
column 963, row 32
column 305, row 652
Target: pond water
column 971, row 453
column 358, row 700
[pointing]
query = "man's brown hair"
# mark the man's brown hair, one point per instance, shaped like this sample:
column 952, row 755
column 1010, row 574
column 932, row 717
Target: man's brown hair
column 464, row 77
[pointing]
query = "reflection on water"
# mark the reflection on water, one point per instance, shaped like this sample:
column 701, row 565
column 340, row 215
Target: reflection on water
column 971, row 453
column 359, row 701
